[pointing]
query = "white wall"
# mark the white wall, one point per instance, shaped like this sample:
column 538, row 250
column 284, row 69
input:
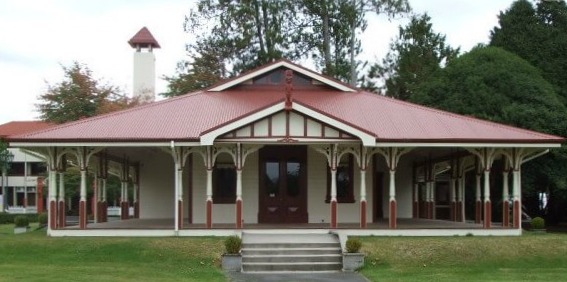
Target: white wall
column 157, row 186
column 226, row 213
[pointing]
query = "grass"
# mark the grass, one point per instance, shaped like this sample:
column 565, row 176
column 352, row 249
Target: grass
column 35, row 257
column 530, row 257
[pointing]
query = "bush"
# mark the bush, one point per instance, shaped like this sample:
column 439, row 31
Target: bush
column 353, row 245
column 232, row 244
column 21, row 221
column 8, row 218
column 42, row 219
column 538, row 223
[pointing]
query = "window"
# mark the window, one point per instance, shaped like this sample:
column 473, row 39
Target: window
column 345, row 187
column 224, row 184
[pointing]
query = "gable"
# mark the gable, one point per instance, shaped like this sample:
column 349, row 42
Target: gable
column 287, row 126
column 304, row 74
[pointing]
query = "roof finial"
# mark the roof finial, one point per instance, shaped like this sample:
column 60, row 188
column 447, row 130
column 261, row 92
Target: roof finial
column 288, row 88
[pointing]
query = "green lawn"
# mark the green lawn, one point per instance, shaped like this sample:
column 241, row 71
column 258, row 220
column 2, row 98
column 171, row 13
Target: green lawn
column 35, row 257
column 530, row 257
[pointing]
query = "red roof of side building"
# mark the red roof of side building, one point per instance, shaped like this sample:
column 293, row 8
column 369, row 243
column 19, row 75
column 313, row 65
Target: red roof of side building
column 144, row 39
column 21, row 127
column 188, row 117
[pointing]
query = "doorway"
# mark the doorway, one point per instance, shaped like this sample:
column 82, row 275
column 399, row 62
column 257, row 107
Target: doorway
column 283, row 185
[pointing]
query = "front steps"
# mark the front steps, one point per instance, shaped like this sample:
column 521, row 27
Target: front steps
column 291, row 252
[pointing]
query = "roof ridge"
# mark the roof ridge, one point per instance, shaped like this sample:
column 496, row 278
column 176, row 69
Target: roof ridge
column 460, row 116
column 114, row 113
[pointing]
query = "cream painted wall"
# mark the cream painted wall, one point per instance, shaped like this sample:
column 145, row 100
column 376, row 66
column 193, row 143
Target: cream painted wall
column 226, row 213
column 157, row 186
column 403, row 187
column 319, row 211
column 157, row 189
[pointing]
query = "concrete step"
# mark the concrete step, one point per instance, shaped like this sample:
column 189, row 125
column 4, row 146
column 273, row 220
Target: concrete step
column 291, row 252
column 299, row 266
column 293, row 258
column 293, row 245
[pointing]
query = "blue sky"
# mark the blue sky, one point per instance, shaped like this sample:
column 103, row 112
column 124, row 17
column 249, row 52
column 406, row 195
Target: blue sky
column 39, row 36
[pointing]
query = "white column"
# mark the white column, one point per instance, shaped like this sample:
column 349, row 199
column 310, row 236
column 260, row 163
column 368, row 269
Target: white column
column 478, row 190
column 52, row 194
column 61, row 186
column 83, row 192
column 176, row 196
column 461, row 185
column 239, row 184
column 363, row 185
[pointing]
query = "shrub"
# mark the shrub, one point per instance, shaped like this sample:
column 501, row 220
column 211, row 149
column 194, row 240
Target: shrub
column 21, row 221
column 232, row 244
column 6, row 218
column 42, row 219
column 538, row 223
column 353, row 245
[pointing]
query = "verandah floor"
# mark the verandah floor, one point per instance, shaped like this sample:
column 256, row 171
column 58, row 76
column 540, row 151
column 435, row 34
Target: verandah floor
column 382, row 224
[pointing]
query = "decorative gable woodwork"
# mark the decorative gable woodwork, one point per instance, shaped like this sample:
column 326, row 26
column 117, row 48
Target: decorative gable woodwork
column 287, row 125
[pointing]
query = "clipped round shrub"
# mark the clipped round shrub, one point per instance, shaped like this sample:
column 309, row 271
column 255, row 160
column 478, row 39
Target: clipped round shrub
column 353, row 245
column 538, row 223
column 42, row 219
column 21, row 221
column 232, row 244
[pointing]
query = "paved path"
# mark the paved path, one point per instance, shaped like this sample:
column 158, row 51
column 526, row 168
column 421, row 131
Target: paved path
column 281, row 277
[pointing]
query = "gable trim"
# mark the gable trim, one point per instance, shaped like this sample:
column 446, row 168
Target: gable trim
column 288, row 65
column 209, row 138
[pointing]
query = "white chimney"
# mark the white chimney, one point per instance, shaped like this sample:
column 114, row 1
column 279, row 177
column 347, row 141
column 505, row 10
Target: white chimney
column 144, row 88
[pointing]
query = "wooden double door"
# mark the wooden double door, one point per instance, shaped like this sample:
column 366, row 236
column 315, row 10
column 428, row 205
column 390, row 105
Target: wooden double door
column 283, row 184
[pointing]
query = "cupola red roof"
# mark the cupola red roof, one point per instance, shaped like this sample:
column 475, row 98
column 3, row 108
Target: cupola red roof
column 143, row 39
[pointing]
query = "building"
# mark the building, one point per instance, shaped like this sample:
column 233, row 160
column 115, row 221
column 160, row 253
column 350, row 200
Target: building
column 22, row 183
column 283, row 147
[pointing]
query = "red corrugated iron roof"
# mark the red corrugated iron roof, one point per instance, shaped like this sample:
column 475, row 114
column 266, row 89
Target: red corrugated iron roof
column 144, row 39
column 187, row 117
column 21, row 127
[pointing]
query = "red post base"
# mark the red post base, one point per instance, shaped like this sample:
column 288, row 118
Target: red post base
column 487, row 214
column 415, row 211
column 124, row 210
column 104, row 211
column 393, row 215
column 505, row 214
column 478, row 212
column 333, row 213
column 459, row 211
column 239, row 214
column 454, row 211
column 52, row 215
column 209, row 214
column 363, row 214
column 83, row 215
column 180, row 215
column 517, row 215
column 136, row 209
column 62, row 220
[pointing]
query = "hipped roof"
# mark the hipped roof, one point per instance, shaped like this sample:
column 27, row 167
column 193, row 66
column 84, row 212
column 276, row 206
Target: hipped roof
column 188, row 117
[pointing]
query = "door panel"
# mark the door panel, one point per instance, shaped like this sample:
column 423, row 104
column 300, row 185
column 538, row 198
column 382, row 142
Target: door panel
column 283, row 185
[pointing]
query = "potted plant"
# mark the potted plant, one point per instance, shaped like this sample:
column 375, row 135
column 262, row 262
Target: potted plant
column 22, row 224
column 353, row 259
column 538, row 225
column 231, row 259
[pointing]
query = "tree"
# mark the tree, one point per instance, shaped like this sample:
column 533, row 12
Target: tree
column 78, row 96
column 336, row 25
column 245, row 34
column 414, row 56
column 203, row 69
column 494, row 84
column 539, row 35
